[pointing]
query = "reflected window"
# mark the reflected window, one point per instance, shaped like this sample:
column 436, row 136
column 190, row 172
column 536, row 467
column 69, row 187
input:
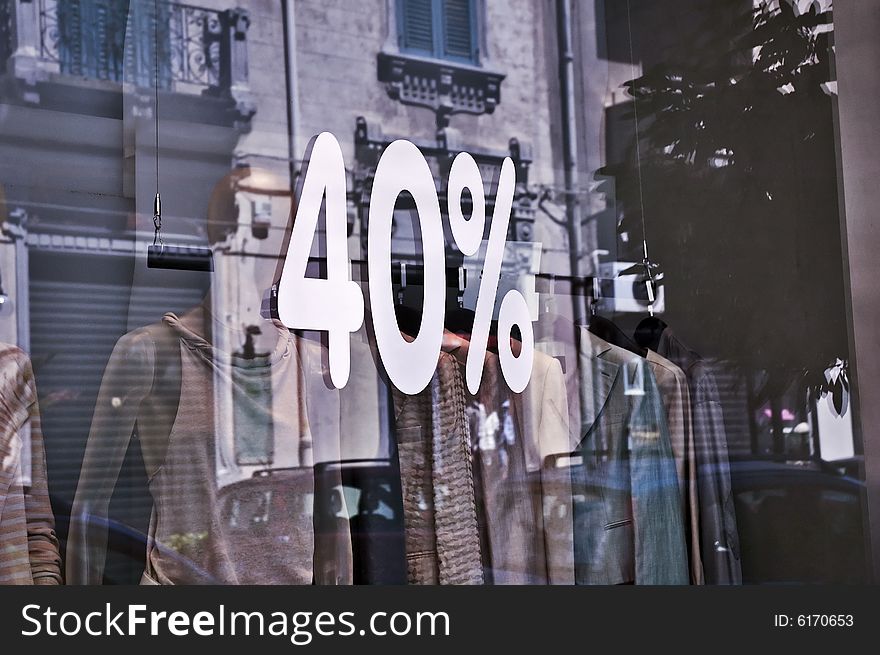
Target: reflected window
column 114, row 40
column 443, row 29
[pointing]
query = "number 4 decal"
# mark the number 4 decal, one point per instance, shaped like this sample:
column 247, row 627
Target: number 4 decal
column 334, row 304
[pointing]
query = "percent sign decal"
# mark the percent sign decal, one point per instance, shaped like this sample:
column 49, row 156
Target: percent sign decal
column 468, row 234
column 336, row 303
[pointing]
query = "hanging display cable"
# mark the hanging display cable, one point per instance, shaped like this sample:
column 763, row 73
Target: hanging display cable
column 159, row 254
column 648, row 269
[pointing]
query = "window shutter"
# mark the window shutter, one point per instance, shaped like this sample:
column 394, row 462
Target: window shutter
column 458, row 29
column 417, row 29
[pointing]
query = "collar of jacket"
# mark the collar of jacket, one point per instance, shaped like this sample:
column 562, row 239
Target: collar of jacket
column 598, row 372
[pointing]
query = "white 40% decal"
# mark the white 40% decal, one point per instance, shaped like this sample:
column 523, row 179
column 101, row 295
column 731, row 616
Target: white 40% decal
column 336, row 303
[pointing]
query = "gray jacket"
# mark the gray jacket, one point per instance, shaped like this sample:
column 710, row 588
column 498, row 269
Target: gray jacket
column 720, row 537
column 626, row 502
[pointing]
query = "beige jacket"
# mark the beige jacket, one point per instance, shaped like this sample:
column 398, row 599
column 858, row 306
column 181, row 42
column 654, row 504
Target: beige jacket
column 543, row 421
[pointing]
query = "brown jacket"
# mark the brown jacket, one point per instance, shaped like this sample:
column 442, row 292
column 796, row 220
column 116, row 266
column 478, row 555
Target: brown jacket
column 439, row 508
column 28, row 546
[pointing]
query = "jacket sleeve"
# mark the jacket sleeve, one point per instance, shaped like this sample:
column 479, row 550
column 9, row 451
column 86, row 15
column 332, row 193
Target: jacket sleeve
column 28, row 545
column 43, row 552
column 127, row 380
column 556, row 484
column 333, row 559
column 660, row 551
column 721, row 551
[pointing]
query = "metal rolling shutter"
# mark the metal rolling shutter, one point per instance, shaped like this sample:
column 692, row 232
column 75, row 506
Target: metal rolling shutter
column 79, row 309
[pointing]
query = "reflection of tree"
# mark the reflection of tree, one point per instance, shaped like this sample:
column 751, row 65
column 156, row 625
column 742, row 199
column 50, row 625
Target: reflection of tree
column 740, row 192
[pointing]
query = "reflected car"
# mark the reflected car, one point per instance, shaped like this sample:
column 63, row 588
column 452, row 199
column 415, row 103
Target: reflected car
column 272, row 513
column 372, row 498
column 352, row 507
column 799, row 522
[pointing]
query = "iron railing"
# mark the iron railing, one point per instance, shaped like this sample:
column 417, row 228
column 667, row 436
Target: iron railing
column 6, row 32
column 117, row 41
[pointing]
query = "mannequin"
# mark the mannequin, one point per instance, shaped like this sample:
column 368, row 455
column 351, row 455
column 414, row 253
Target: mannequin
column 182, row 386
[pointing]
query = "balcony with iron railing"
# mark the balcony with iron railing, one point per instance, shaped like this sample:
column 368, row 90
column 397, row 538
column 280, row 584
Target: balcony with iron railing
column 101, row 43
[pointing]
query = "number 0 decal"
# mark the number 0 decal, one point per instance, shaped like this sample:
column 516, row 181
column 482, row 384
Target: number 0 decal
column 409, row 365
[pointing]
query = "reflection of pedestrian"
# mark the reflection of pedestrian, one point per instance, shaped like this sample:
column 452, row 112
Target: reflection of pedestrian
column 371, row 500
column 377, row 537
column 370, row 519
column 334, row 504
column 27, row 527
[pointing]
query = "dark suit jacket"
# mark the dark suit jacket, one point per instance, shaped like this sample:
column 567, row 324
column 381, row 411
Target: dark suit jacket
column 626, row 502
column 718, row 530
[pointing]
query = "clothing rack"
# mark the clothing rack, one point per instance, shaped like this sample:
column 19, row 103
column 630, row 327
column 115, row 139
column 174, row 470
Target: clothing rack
column 456, row 277
column 401, row 273
column 568, row 285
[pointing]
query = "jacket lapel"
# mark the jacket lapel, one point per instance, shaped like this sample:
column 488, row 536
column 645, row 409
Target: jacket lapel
column 597, row 376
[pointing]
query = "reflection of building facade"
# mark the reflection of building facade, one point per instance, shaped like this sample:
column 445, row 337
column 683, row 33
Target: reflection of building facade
column 448, row 75
column 248, row 87
column 78, row 113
